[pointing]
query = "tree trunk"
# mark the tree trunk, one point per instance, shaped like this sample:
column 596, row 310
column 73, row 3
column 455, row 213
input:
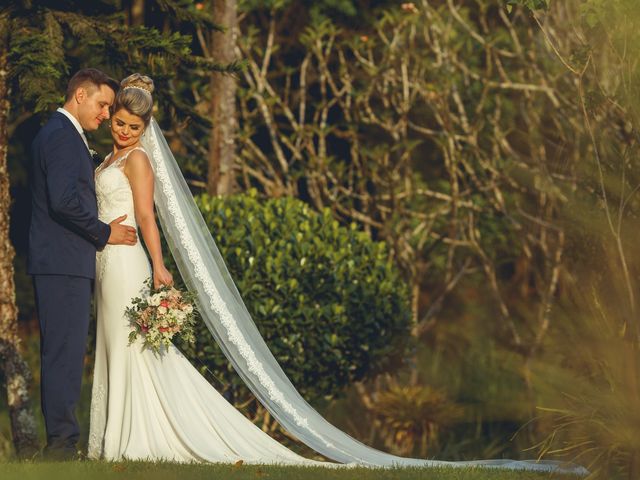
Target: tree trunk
column 137, row 13
column 223, row 97
column 16, row 371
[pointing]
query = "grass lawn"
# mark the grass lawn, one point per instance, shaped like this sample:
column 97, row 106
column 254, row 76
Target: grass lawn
column 161, row 471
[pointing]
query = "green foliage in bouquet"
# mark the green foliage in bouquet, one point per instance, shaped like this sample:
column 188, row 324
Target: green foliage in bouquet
column 326, row 298
column 161, row 316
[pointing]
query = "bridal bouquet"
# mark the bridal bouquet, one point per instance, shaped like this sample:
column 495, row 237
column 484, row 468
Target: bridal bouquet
column 161, row 315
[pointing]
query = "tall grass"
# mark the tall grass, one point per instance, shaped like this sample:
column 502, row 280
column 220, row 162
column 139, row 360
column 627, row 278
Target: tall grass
column 589, row 380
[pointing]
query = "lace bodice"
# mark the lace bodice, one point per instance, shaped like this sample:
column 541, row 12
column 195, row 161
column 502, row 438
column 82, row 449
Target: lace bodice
column 113, row 191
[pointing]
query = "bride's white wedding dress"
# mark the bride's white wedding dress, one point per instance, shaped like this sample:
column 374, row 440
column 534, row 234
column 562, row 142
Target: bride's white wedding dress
column 148, row 406
column 158, row 407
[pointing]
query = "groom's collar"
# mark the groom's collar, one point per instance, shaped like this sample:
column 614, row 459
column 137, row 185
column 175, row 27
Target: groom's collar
column 76, row 124
column 73, row 119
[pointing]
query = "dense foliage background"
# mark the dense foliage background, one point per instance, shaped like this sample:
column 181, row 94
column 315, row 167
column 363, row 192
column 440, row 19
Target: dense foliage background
column 491, row 145
column 328, row 300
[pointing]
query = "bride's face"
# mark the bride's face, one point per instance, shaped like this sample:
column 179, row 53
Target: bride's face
column 126, row 128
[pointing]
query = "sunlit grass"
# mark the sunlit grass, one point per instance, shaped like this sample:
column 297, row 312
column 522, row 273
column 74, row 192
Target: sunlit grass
column 161, row 471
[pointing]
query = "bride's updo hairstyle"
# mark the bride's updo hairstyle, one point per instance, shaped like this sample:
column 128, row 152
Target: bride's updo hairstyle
column 135, row 96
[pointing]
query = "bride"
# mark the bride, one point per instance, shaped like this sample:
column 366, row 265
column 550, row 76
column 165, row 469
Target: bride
column 144, row 406
column 151, row 407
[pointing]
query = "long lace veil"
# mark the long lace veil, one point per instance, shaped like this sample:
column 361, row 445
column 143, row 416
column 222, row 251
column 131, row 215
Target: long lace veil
column 223, row 311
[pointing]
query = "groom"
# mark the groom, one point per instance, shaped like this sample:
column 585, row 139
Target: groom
column 64, row 235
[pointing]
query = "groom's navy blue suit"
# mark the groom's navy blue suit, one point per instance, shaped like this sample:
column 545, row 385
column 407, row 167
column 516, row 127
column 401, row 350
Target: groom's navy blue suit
column 64, row 235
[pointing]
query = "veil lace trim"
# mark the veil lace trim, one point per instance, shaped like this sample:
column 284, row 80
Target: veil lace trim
column 218, row 304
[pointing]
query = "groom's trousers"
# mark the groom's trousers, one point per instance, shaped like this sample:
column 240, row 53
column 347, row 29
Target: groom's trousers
column 63, row 305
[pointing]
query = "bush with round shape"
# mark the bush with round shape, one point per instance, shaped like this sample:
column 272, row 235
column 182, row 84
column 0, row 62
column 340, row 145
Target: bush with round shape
column 327, row 299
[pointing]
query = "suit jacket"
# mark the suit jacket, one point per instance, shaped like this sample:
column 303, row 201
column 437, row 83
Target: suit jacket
column 65, row 231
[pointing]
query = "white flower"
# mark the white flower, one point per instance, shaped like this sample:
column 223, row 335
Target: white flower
column 187, row 308
column 93, row 153
column 155, row 299
column 162, row 310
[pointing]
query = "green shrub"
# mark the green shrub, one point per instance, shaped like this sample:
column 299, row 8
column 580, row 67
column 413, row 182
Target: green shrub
column 326, row 298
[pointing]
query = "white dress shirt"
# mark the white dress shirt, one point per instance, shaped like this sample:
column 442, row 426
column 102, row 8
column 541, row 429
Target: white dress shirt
column 76, row 124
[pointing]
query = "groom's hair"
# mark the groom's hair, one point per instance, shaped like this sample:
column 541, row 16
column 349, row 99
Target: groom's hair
column 90, row 78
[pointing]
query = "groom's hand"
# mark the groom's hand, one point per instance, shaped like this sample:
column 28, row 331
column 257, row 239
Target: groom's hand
column 122, row 234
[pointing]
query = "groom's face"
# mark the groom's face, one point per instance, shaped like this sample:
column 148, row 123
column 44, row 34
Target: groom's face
column 93, row 105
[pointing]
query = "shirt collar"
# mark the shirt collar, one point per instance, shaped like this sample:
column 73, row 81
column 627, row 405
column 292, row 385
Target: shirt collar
column 73, row 119
column 76, row 124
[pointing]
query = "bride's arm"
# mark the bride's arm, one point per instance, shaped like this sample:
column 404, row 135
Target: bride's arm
column 138, row 170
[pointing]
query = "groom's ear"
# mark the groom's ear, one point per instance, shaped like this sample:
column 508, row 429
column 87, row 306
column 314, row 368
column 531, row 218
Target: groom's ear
column 80, row 94
column 83, row 92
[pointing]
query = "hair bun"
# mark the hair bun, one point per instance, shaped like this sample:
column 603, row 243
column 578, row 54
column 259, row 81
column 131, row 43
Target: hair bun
column 138, row 80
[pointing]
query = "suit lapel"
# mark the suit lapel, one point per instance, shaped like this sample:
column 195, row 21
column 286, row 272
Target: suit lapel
column 83, row 151
column 82, row 147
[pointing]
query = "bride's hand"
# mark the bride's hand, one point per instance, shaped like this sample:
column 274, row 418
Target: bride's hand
column 161, row 276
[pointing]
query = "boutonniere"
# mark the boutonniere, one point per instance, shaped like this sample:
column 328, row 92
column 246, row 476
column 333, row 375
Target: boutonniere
column 94, row 155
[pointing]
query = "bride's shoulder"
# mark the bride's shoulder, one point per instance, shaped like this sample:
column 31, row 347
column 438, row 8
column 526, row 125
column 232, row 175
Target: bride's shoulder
column 138, row 152
column 138, row 160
